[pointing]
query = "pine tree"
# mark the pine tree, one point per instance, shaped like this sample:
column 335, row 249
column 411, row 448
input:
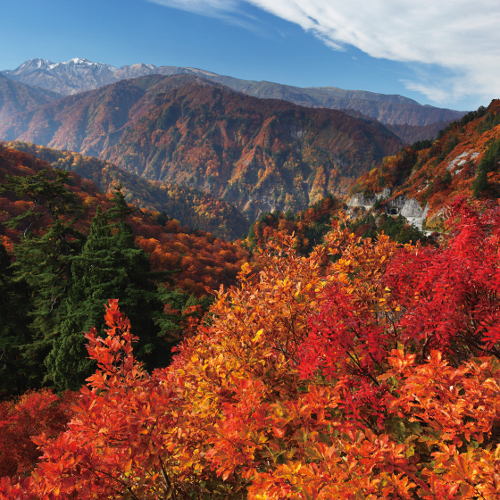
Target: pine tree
column 49, row 242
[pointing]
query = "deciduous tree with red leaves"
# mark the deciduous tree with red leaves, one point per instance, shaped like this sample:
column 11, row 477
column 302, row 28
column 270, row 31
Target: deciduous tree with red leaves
column 27, row 417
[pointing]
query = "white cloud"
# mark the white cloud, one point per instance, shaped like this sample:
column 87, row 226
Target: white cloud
column 222, row 9
column 206, row 7
column 459, row 35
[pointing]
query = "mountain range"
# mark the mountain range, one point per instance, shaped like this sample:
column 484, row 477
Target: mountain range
column 259, row 154
column 79, row 75
column 16, row 97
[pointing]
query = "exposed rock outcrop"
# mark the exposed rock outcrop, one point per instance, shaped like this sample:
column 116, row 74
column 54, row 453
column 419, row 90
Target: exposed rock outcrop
column 361, row 200
column 410, row 209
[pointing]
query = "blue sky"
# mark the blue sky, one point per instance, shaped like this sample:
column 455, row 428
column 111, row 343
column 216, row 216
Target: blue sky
column 444, row 53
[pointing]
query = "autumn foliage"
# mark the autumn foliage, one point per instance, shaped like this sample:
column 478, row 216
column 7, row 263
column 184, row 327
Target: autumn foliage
column 200, row 258
column 24, row 418
column 462, row 161
column 190, row 207
column 371, row 375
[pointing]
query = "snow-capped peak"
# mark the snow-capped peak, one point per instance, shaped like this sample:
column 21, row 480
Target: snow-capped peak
column 77, row 63
column 78, row 60
column 35, row 64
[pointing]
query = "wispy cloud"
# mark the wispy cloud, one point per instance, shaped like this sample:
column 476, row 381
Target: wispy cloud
column 460, row 36
column 206, row 7
column 226, row 10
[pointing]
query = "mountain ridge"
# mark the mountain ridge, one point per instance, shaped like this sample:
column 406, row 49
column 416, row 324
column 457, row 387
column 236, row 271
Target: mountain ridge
column 16, row 97
column 259, row 154
column 391, row 109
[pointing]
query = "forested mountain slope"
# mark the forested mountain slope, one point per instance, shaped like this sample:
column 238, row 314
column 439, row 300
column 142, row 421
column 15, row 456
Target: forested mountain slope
column 190, row 207
column 16, row 97
column 259, row 154
column 464, row 160
column 200, row 258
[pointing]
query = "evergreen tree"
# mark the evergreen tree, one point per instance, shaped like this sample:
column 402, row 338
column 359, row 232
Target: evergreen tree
column 14, row 305
column 48, row 244
column 488, row 163
column 109, row 266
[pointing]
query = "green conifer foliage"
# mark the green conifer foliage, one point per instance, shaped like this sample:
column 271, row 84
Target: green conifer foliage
column 49, row 242
column 487, row 165
column 109, row 266
column 14, row 304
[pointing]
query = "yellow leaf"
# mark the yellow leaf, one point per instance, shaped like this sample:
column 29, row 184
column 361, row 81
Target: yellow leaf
column 258, row 335
column 246, row 268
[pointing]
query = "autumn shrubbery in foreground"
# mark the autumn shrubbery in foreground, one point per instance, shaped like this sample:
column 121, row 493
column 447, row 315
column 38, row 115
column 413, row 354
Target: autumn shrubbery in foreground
column 374, row 375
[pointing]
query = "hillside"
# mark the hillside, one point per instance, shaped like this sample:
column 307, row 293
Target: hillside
column 200, row 259
column 78, row 75
column 16, row 97
column 258, row 154
column 464, row 160
column 190, row 207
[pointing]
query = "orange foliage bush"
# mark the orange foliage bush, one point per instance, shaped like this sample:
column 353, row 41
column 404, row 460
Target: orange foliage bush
column 373, row 376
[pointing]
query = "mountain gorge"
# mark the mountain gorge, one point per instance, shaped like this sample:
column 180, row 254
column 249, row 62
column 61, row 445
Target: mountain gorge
column 192, row 208
column 259, row 154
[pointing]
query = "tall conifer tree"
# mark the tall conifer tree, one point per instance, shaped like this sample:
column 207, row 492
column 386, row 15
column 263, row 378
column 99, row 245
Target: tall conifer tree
column 109, row 266
column 14, row 306
column 49, row 242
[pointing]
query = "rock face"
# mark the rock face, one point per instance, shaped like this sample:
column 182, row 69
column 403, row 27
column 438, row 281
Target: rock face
column 410, row 209
column 413, row 212
column 361, row 200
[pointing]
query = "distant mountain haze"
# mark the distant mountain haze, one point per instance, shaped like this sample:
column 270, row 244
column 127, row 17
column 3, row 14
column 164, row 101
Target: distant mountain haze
column 259, row 154
column 16, row 97
column 78, row 75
